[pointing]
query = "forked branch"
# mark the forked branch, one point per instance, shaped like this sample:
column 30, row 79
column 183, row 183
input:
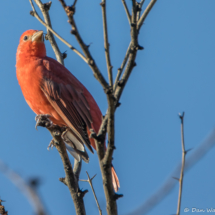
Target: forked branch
column 145, row 13
column 35, row 14
column 127, row 11
column 96, row 72
column 89, row 180
column 45, row 11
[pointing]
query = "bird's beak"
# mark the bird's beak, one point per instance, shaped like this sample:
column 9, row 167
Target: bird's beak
column 38, row 37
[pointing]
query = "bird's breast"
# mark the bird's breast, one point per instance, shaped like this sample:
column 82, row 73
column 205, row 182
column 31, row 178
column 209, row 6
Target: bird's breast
column 30, row 77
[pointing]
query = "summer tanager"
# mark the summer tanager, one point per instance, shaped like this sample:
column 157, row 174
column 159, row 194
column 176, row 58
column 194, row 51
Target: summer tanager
column 49, row 88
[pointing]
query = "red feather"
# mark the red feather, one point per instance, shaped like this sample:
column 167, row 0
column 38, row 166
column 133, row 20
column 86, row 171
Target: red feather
column 49, row 88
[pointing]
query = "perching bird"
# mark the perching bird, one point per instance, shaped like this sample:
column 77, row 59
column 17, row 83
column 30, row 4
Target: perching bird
column 49, row 88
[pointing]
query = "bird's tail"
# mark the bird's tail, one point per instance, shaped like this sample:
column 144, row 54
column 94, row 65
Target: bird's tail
column 115, row 180
column 75, row 146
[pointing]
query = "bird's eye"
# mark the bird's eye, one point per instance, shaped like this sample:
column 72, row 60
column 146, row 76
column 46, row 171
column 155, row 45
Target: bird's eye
column 25, row 38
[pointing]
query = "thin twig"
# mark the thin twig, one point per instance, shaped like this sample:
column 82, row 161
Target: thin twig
column 127, row 11
column 141, row 3
column 74, row 3
column 134, row 47
column 26, row 189
column 106, row 43
column 145, row 13
column 120, row 70
column 44, row 9
column 57, row 35
column 131, row 56
column 182, row 164
column 134, row 24
column 70, row 12
column 89, row 180
column 139, row 6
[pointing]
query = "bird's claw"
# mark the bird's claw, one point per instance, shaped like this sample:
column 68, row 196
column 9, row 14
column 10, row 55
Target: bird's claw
column 51, row 145
column 43, row 120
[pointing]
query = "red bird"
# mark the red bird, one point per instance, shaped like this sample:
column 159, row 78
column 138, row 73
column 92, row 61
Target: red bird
column 49, row 88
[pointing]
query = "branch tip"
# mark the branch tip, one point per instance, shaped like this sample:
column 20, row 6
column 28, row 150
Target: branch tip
column 32, row 13
column 74, row 4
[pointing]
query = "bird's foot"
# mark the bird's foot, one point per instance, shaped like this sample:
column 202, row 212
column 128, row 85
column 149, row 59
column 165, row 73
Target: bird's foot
column 43, row 120
column 51, row 145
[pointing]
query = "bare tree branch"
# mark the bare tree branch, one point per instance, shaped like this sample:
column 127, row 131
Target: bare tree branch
column 132, row 55
column 120, row 70
column 135, row 27
column 25, row 188
column 182, row 164
column 106, row 43
column 70, row 12
column 105, row 167
column 74, row 3
column 140, row 5
column 106, row 163
column 34, row 13
column 44, row 9
column 145, row 13
column 70, row 180
column 91, row 185
column 169, row 184
column 127, row 11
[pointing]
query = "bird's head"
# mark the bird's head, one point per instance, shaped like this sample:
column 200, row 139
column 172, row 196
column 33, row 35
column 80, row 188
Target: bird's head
column 31, row 44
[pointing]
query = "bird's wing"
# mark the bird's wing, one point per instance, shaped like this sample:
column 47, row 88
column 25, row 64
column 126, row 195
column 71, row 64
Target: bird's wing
column 68, row 100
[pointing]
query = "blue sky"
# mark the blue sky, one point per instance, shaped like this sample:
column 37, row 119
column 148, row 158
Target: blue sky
column 174, row 73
